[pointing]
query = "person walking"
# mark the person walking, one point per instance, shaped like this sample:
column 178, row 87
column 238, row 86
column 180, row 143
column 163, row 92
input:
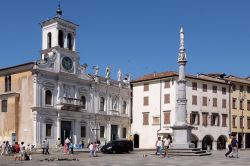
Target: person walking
column 158, row 145
column 91, row 148
column 234, row 148
column 167, row 142
column 229, row 144
column 71, row 146
column 3, row 148
column 43, row 147
column 22, row 150
column 17, row 151
column 58, row 144
column 46, row 146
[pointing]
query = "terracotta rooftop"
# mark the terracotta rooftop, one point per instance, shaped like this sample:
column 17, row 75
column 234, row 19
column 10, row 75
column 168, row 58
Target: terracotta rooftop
column 154, row 76
column 237, row 79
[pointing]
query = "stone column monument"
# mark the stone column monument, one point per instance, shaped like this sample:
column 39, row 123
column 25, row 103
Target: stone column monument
column 181, row 130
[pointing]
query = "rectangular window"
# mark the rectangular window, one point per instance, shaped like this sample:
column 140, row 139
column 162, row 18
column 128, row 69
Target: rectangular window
column 156, row 120
column 194, row 85
column 224, row 120
column 124, row 132
column 234, row 87
column 248, row 122
column 224, row 103
column 194, row 100
column 214, row 89
column 204, row 119
column 7, row 83
column 145, row 118
column 102, row 131
column 241, row 122
column 215, row 121
column 194, row 119
column 83, row 131
column 204, row 87
column 145, row 101
column 241, row 104
column 248, row 89
column 48, row 130
column 234, row 103
column 166, row 98
column 234, row 121
column 241, row 88
column 166, row 117
column 248, row 105
column 167, row 84
column 204, row 101
column 4, row 105
column 214, row 102
column 224, row 90
column 146, row 87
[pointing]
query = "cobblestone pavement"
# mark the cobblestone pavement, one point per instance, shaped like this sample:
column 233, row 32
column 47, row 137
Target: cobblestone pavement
column 133, row 159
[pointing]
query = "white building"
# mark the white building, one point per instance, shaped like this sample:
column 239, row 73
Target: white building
column 58, row 99
column 154, row 105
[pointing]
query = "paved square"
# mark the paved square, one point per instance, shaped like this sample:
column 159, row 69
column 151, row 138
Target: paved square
column 133, row 159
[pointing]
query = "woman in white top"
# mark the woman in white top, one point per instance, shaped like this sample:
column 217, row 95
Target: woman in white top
column 158, row 145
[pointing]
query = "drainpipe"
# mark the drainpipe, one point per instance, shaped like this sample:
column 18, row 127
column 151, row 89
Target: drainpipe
column 230, row 118
column 160, row 107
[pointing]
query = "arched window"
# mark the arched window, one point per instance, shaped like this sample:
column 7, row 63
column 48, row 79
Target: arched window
column 124, row 107
column 4, row 105
column 83, row 101
column 49, row 37
column 102, row 103
column 60, row 38
column 48, row 97
column 69, row 44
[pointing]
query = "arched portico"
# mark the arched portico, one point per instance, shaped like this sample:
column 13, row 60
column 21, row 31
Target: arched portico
column 207, row 142
column 221, row 142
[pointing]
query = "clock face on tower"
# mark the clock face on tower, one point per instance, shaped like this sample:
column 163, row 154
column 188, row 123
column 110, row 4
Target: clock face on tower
column 67, row 63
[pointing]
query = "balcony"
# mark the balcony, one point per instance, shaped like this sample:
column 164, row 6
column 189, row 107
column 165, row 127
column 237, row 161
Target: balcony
column 67, row 103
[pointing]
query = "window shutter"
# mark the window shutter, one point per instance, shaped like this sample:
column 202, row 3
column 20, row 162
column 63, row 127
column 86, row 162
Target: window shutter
column 191, row 119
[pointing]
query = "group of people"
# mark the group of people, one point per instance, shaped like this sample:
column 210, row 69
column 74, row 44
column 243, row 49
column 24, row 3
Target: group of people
column 162, row 146
column 68, row 146
column 93, row 148
column 21, row 152
column 232, row 147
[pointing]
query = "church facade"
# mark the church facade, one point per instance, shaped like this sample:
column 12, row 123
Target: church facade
column 55, row 98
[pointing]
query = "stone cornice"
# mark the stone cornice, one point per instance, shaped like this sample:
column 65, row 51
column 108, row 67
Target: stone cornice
column 17, row 69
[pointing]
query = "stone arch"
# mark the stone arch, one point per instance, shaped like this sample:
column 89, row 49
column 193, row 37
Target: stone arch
column 221, row 142
column 194, row 140
column 60, row 38
column 207, row 141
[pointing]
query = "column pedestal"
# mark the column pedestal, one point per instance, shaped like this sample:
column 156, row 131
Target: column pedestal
column 182, row 137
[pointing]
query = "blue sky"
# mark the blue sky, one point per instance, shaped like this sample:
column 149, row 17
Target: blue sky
column 138, row 36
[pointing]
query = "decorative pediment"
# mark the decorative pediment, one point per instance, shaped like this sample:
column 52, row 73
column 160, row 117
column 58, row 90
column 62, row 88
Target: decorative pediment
column 84, row 123
column 83, row 90
column 48, row 120
column 49, row 85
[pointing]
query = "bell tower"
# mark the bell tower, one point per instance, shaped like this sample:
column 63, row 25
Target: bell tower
column 59, row 38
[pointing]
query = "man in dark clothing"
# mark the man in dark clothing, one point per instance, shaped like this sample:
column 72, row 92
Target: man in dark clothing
column 234, row 148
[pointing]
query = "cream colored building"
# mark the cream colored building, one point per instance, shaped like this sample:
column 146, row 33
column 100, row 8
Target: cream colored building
column 55, row 97
column 240, row 109
column 154, row 107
